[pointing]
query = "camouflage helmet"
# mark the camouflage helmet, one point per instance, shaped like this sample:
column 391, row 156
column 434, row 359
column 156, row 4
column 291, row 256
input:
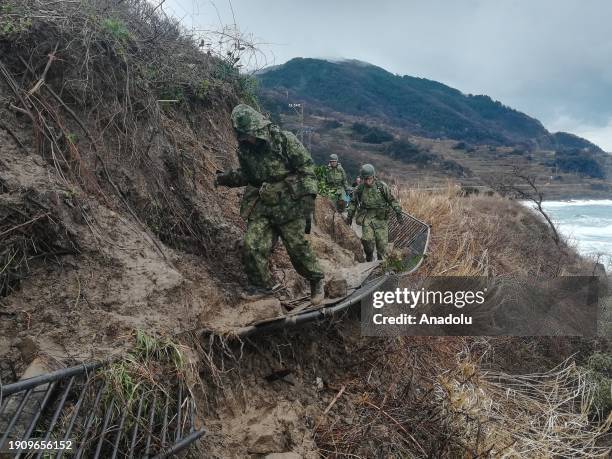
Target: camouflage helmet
column 333, row 157
column 367, row 170
column 247, row 120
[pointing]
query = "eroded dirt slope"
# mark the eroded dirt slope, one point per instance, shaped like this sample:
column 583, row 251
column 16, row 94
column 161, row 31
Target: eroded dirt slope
column 113, row 274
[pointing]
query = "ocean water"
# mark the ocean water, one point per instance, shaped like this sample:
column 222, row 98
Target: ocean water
column 587, row 224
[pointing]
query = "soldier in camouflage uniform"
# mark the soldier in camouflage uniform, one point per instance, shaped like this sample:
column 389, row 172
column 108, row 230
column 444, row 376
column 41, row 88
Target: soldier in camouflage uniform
column 336, row 182
column 372, row 203
column 281, row 187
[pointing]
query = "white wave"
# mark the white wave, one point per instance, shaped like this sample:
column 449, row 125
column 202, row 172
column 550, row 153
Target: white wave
column 586, row 224
column 577, row 202
column 585, row 220
column 586, row 231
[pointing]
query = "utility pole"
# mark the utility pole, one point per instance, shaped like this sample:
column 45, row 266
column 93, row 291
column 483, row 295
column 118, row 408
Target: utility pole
column 298, row 108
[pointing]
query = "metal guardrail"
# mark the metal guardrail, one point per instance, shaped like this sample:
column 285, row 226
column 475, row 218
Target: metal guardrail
column 72, row 412
column 310, row 315
column 411, row 237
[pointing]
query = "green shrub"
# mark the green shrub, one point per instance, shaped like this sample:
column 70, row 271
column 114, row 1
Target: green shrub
column 331, row 124
column 360, row 128
column 203, row 89
column 371, row 134
column 377, row 135
column 116, row 28
column 578, row 161
column 247, row 89
column 321, row 174
column 407, row 152
column 245, row 85
column 11, row 22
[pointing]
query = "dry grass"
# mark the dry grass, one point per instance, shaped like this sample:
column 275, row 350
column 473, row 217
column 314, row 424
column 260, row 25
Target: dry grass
column 484, row 235
column 117, row 95
column 429, row 397
column 433, row 397
column 536, row 415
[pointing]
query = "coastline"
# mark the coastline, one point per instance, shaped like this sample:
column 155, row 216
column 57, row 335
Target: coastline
column 586, row 224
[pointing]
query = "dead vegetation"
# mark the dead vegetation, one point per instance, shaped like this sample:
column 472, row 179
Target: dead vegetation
column 111, row 90
column 523, row 185
column 487, row 236
column 403, row 397
column 430, row 397
column 30, row 230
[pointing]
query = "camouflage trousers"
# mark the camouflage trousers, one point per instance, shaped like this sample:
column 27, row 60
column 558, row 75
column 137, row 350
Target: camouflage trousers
column 375, row 234
column 260, row 237
column 336, row 198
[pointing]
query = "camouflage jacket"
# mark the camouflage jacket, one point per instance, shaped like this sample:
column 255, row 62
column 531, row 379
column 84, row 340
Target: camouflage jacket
column 277, row 174
column 336, row 178
column 372, row 203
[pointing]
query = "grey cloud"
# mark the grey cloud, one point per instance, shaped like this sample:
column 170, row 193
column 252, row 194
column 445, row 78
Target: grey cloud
column 549, row 58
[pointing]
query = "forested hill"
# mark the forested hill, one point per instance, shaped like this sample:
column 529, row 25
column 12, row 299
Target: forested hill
column 424, row 107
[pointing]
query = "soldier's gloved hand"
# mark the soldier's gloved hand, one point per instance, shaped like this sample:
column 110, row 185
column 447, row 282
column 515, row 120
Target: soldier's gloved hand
column 400, row 217
column 309, row 203
column 349, row 220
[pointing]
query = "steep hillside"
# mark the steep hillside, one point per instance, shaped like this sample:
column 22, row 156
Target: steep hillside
column 109, row 220
column 426, row 133
column 423, row 106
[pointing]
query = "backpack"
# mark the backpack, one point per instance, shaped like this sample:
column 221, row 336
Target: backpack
column 359, row 194
column 359, row 191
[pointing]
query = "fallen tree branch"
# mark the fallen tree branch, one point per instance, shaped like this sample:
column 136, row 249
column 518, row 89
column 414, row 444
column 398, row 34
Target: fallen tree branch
column 41, row 80
column 334, row 400
column 99, row 158
column 38, row 217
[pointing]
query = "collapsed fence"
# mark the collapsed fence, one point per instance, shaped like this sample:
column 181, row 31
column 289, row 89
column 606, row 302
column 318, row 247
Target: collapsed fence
column 409, row 237
column 74, row 412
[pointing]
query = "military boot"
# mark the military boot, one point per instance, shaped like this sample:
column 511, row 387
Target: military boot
column 317, row 293
column 368, row 248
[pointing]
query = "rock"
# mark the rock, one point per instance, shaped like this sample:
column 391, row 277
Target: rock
column 336, row 287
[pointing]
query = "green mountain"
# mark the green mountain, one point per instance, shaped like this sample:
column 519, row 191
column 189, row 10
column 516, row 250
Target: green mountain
column 421, row 106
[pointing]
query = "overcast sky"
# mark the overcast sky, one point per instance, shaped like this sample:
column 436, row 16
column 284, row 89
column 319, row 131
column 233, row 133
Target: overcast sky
column 551, row 59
